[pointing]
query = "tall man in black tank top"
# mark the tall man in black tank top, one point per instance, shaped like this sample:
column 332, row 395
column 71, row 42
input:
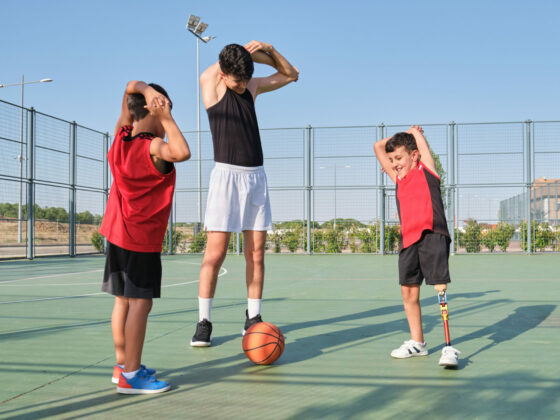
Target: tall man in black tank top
column 238, row 198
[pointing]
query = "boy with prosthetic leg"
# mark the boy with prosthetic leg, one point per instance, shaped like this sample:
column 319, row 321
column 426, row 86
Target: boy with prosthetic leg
column 406, row 158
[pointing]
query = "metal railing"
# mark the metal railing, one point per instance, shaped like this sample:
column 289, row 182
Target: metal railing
column 500, row 187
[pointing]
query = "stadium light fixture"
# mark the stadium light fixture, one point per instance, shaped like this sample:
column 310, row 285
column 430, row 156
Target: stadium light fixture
column 192, row 22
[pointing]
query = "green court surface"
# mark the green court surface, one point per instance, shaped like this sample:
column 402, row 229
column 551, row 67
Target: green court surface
column 341, row 315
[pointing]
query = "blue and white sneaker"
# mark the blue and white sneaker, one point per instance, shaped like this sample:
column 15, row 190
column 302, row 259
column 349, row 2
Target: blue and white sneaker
column 410, row 348
column 141, row 383
column 117, row 370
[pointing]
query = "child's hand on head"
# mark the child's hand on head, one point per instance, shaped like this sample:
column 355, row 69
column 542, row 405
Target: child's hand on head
column 159, row 107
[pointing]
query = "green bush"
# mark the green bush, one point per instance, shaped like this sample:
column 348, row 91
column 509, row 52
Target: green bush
column 277, row 241
column 368, row 239
column 178, row 237
column 472, row 236
column 198, row 243
column 489, row 239
column 334, row 240
column 504, row 233
column 544, row 236
column 292, row 239
column 233, row 243
column 97, row 241
column 318, row 241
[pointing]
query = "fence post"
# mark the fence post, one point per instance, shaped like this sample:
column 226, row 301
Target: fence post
column 308, row 189
column 72, row 204
column 30, row 183
column 381, row 198
column 529, row 178
column 105, row 179
column 170, row 232
column 238, row 242
column 451, row 185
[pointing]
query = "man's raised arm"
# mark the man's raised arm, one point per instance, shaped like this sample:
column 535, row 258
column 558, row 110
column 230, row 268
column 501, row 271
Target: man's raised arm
column 264, row 53
column 209, row 81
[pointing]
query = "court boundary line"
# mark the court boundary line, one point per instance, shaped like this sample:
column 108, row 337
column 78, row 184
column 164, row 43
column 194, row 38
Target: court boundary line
column 101, row 293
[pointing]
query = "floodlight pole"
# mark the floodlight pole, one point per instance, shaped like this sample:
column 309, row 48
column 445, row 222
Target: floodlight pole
column 197, row 33
column 20, row 157
column 199, row 162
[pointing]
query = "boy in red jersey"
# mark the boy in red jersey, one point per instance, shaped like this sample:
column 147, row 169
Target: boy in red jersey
column 406, row 158
column 135, row 222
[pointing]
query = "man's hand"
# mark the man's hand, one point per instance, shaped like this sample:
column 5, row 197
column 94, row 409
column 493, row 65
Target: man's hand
column 440, row 287
column 416, row 128
column 255, row 46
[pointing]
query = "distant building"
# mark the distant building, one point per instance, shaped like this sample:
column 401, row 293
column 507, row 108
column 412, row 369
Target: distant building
column 545, row 204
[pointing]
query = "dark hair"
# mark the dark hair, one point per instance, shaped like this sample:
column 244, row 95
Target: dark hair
column 401, row 139
column 136, row 102
column 237, row 61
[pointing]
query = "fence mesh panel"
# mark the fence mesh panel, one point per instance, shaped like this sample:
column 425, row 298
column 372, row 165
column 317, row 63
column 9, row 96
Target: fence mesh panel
column 500, row 187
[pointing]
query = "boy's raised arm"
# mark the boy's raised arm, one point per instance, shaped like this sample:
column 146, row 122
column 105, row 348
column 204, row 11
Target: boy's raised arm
column 177, row 149
column 423, row 147
column 383, row 158
column 136, row 86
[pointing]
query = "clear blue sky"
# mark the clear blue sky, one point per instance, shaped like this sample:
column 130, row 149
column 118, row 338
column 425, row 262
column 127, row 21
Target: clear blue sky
column 361, row 62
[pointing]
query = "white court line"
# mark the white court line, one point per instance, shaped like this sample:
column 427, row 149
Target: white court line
column 48, row 284
column 50, row 275
column 222, row 273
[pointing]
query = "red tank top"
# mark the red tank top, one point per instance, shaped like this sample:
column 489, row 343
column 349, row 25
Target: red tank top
column 420, row 205
column 140, row 199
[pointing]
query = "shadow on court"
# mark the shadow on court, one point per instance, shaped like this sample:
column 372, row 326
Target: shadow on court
column 521, row 320
column 313, row 346
column 446, row 402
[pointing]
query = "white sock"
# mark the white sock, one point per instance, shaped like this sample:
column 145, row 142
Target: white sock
column 253, row 307
column 204, row 308
column 130, row 375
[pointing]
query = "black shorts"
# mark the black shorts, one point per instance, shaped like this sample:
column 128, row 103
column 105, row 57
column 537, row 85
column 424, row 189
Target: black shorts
column 427, row 258
column 132, row 274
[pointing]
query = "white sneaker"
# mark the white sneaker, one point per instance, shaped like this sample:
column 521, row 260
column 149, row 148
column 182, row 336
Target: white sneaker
column 410, row 348
column 449, row 357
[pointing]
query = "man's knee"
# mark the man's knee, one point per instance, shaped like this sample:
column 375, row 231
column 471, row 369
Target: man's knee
column 255, row 256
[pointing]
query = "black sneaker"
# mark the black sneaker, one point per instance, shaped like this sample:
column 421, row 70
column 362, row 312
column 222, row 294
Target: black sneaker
column 201, row 337
column 250, row 321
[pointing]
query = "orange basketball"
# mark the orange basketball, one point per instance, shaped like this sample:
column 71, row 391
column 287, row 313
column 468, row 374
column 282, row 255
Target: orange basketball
column 263, row 343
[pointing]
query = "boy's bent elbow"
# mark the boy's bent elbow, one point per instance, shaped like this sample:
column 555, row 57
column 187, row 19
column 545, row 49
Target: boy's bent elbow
column 182, row 156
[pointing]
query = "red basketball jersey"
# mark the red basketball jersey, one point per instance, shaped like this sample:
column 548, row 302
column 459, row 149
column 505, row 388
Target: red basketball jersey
column 140, row 199
column 420, row 205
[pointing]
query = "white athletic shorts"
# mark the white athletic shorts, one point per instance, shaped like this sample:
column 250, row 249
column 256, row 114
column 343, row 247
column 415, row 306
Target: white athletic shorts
column 238, row 199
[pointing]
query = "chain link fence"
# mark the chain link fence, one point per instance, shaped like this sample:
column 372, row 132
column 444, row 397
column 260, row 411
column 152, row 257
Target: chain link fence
column 53, row 184
column 500, row 187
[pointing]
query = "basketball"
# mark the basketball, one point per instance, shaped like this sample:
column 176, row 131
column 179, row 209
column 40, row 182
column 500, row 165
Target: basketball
column 263, row 343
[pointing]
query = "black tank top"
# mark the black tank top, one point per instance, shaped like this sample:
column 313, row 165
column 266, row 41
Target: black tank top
column 235, row 131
